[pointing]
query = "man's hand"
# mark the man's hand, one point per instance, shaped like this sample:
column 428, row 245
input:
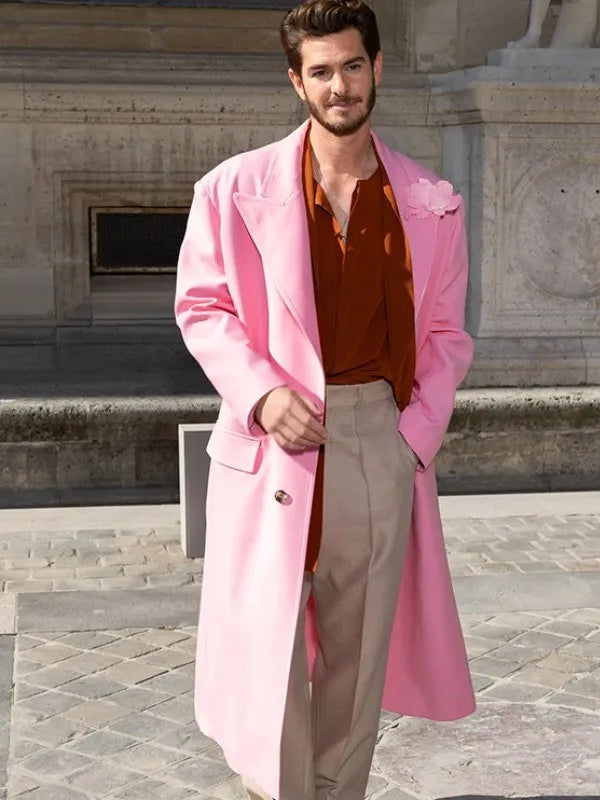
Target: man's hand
column 291, row 418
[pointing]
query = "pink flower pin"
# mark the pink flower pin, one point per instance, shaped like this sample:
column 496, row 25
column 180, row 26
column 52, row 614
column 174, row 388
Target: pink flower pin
column 425, row 198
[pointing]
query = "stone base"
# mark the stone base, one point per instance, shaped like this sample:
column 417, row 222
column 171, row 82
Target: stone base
column 115, row 448
column 545, row 57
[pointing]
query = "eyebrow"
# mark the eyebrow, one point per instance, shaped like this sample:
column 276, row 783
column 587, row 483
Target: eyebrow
column 356, row 60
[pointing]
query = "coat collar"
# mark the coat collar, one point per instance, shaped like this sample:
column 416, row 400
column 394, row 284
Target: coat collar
column 276, row 221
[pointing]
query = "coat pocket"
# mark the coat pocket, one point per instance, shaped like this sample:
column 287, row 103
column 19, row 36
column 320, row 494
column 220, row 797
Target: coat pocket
column 234, row 450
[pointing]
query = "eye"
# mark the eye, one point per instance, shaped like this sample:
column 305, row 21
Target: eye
column 319, row 73
column 354, row 67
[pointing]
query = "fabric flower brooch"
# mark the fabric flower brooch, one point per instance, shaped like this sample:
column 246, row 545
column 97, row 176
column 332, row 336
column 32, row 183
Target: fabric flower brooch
column 425, row 198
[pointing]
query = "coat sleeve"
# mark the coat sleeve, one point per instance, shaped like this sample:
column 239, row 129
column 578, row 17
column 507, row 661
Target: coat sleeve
column 445, row 357
column 209, row 322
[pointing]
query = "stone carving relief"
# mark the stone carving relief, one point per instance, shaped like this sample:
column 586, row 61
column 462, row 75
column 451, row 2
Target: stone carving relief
column 540, row 267
column 558, row 226
column 577, row 25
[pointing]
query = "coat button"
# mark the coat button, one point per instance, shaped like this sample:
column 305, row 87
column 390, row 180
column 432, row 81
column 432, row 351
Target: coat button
column 282, row 497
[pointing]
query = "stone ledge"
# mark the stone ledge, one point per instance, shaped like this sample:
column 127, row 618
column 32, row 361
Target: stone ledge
column 124, row 449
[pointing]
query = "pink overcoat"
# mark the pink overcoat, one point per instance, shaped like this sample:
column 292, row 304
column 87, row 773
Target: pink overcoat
column 245, row 305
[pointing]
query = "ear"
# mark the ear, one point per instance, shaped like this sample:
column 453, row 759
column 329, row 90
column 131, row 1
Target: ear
column 297, row 83
column 378, row 68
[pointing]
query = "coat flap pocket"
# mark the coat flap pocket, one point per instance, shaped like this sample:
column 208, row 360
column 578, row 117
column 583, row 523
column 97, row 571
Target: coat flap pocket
column 234, row 450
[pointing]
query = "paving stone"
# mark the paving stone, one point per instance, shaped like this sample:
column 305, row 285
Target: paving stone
column 23, row 749
column 574, row 701
column 101, row 743
column 586, row 686
column 396, row 794
column 54, row 762
column 202, row 773
column 88, row 640
column 188, row 738
column 542, row 640
column 55, row 731
column 95, row 713
column 170, row 682
column 46, row 704
column 152, row 788
column 138, row 699
column 53, row 792
column 99, row 779
column 93, row 687
column 53, row 676
column 504, row 750
column 20, row 784
column 231, row 789
column 50, row 653
column 500, row 633
column 133, row 672
column 178, row 709
column 90, row 661
column 494, row 667
column 27, row 586
column 98, row 571
column 516, row 692
column 144, row 726
column 127, row 648
column 168, row 658
column 7, row 617
column 569, row 664
column 164, row 637
column 478, row 646
column 27, row 642
column 146, row 758
column 533, row 674
column 568, row 627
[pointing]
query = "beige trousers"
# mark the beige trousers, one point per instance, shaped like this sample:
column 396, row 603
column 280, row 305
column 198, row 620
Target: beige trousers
column 330, row 727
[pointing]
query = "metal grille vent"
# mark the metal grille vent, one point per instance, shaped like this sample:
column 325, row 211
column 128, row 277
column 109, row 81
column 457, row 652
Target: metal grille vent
column 126, row 241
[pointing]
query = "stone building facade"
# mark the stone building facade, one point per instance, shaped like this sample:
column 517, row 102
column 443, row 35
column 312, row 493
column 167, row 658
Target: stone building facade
column 111, row 109
column 116, row 105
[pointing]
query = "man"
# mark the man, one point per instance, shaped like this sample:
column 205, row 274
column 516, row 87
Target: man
column 321, row 286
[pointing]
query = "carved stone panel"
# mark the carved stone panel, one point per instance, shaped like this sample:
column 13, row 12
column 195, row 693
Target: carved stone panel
column 541, row 230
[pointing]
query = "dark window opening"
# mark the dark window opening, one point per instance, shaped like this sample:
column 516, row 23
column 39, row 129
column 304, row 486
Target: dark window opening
column 127, row 241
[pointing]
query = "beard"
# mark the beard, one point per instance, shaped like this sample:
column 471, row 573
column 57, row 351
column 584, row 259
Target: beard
column 344, row 127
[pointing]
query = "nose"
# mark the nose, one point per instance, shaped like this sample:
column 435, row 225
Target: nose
column 338, row 84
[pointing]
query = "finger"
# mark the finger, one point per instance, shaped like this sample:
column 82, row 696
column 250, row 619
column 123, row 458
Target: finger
column 308, row 420
column 294, row 433
column 302, row 430
column 285, row 444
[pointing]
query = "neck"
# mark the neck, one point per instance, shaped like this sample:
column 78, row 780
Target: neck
column 342, row 154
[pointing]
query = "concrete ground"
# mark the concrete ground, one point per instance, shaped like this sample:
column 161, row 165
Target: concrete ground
column 97, row 621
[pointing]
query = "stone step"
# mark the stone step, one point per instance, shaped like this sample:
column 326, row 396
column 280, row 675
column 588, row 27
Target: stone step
column 123, row 448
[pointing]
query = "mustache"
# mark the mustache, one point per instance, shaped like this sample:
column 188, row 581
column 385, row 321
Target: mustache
column 345, row 99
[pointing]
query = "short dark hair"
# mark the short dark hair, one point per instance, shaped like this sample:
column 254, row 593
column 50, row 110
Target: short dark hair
column 324, row 17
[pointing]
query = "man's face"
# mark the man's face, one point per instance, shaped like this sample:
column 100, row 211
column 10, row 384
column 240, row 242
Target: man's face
column 338, row 83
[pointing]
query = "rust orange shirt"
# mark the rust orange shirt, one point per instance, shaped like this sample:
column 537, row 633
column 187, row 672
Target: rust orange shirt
column 364, row 298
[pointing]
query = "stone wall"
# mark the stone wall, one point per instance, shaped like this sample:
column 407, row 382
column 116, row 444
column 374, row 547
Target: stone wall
column 115, row 105
column 421, row 35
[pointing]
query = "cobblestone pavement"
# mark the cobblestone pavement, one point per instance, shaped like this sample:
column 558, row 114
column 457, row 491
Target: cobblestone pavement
column 140, row 558
column 108, row 713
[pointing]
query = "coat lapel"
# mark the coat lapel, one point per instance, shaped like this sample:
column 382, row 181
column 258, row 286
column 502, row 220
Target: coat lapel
column 276, row 221
column 420, row 233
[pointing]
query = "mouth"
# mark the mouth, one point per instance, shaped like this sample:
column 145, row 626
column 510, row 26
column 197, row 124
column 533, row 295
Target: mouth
column 343, row 105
